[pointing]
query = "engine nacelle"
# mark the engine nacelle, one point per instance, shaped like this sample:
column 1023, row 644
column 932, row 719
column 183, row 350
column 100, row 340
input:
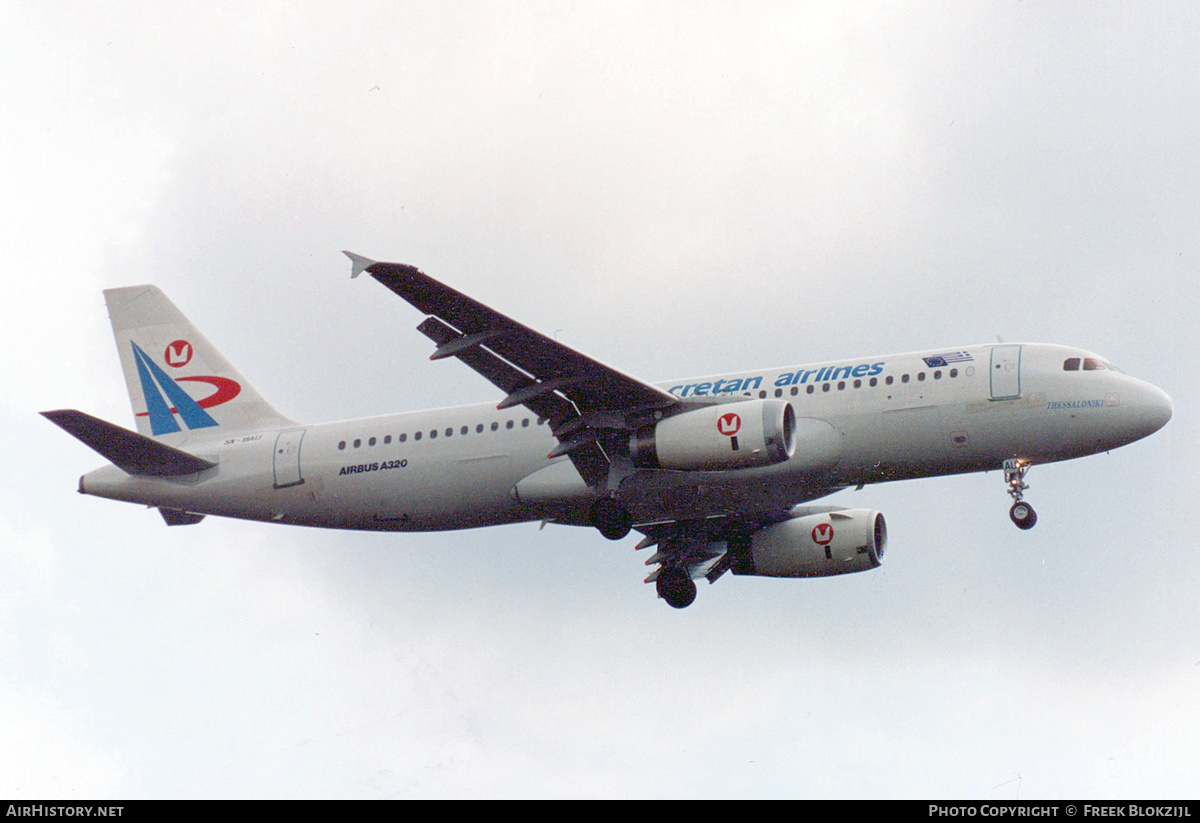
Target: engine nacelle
column 813, row 545
column 723, row 436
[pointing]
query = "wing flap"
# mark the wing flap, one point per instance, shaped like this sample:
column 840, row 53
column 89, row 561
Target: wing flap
column 585, row 453
column 129, row 451
column 697, row 547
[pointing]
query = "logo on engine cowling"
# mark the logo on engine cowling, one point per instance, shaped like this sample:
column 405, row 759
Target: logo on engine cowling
column 729, row 423
column 822, row 534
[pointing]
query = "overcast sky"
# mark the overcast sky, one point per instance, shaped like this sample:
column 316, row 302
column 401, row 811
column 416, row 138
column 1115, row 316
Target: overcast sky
column 675, row 189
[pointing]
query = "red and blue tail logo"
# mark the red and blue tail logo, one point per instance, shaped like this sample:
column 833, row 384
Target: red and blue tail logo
column 156, row 383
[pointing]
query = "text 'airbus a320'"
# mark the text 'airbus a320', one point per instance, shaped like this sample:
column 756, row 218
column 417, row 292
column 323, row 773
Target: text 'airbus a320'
column 717, row 472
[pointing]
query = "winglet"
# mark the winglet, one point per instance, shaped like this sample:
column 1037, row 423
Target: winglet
column 359, row 264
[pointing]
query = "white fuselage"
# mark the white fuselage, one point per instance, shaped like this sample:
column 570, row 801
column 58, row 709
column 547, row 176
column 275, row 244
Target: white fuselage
column 900, row 416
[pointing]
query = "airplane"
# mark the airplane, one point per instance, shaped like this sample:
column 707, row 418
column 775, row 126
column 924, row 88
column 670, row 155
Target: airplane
column 717, row 473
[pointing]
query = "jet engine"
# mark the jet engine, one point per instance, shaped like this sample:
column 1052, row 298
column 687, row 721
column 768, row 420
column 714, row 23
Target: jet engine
column 839, row 541
column 723, row 436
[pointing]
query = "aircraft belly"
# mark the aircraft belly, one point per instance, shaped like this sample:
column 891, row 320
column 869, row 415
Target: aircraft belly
column 911, row 441
column 459, row 494
column 422, row 495
column 1063, row 429
column 674, row 495
column 1035, row 428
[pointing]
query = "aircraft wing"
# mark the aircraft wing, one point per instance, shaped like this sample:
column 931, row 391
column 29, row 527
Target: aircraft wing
column 583, row 399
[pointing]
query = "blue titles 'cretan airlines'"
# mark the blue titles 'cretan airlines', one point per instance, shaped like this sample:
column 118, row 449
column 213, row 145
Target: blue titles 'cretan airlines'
column 717, row 473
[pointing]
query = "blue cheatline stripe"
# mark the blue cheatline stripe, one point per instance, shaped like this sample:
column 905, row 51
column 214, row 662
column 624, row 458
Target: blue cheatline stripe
column 161, row 419
column 193, row 416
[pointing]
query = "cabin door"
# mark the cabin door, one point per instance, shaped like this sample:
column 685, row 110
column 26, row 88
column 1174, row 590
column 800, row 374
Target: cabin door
column 287, row 458
column 1006, row 372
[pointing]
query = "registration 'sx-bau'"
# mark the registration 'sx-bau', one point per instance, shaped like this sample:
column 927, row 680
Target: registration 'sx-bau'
column 717, row 473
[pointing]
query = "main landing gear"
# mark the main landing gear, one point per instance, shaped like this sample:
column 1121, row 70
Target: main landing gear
column 610, row 518
column 1022, row 513
column 676, row 587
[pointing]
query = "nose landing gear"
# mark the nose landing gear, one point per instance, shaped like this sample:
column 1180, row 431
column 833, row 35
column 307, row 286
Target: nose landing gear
column 1022, row 513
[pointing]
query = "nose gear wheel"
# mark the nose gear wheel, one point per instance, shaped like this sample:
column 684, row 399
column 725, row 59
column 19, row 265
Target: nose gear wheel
column 1023, row 515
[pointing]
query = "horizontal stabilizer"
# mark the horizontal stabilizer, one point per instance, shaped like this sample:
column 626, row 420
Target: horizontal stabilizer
column 129, row 451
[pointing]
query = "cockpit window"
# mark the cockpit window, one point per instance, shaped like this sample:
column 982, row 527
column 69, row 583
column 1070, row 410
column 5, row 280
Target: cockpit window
column 1088, row 364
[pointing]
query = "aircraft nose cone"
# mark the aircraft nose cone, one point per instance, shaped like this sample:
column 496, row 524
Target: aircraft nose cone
column 1160, row 408
column 1154, row 409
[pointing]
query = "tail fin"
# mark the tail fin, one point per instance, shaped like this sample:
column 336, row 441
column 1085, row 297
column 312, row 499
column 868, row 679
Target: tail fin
column 176, row 379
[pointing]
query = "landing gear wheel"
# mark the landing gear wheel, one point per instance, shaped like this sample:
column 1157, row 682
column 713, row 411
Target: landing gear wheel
column 1023, row 515
column 1014, row 477
column 610, row 518
column 676, row 587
